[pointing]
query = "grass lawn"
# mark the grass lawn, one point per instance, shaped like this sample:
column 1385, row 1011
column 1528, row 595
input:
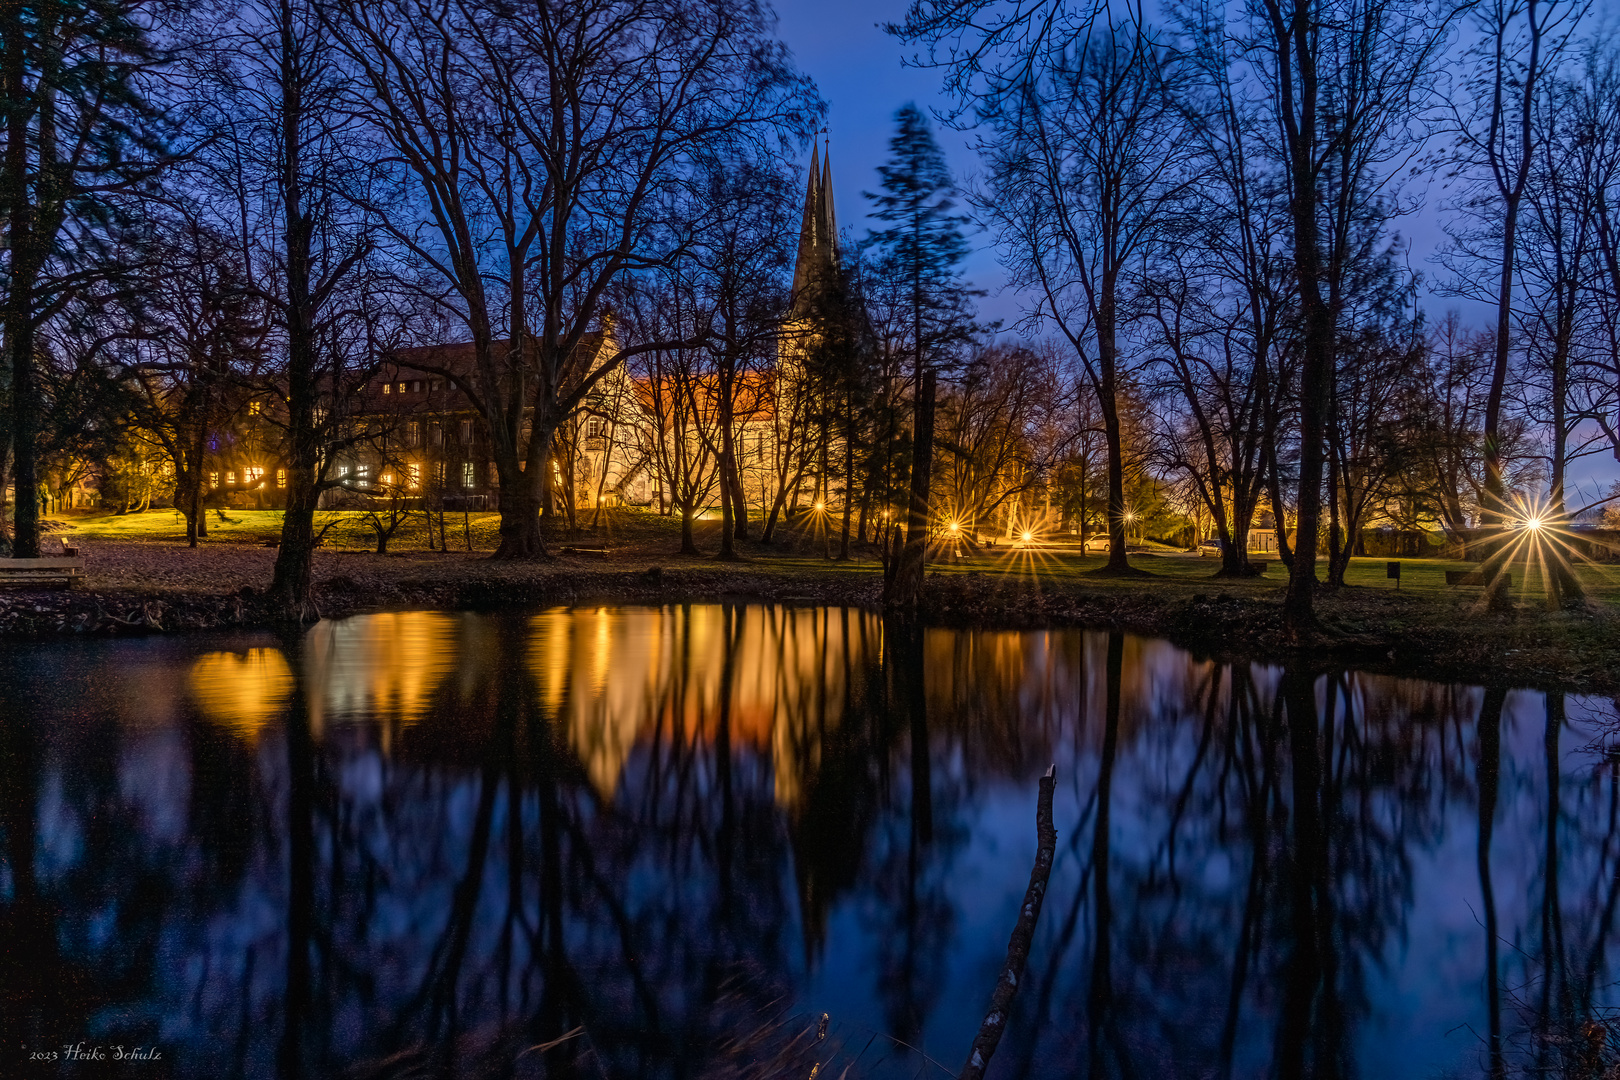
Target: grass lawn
column 640, row 537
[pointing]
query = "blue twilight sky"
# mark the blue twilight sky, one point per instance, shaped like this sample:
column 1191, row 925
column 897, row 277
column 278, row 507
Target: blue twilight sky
column 859, row 70
column 861, row 73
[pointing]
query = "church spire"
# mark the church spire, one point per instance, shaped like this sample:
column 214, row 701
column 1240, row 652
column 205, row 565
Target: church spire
column 818, row 231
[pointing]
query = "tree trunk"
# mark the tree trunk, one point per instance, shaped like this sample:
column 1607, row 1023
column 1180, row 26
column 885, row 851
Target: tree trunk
column 520, row 517
column 24, row 266
column 688, row 543
column 290, row 587
column 904, row 588
column 728, row 550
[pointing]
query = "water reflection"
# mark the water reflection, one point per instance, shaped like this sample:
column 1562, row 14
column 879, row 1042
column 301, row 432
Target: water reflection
column 242, row 691
column 662, row 841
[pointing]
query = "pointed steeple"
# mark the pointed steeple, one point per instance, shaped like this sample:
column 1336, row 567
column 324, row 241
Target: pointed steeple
column 818, row 231
column 827, row 201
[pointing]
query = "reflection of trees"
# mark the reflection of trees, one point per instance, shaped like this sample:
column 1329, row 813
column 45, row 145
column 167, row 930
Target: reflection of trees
column 635, row 831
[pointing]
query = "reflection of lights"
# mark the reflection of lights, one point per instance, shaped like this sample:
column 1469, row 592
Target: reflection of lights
column 241, row 692
column 384, row 665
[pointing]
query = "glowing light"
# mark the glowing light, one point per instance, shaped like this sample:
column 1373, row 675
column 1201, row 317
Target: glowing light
column 1534, row 524
column 953, row 526
column 242, row 692
column 1028, row 536
column 820, row 506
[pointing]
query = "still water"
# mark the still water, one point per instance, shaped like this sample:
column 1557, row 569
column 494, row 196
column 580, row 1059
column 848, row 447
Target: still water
column 663, row 842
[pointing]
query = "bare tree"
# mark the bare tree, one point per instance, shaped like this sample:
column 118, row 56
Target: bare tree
column 1088, row 162
column 544, row 147
column 1002, row 429
column 1519, row 46
column 1344, row 81
column 196, row 334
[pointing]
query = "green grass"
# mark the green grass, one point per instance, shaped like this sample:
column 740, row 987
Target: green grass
column 643, row 535
column 345, row 529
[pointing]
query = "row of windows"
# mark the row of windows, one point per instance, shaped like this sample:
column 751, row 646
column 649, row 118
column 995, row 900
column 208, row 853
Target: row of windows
column 250, row 475
column 361, row 476
column 413, row 433
column 410, row 386
column 413, row 475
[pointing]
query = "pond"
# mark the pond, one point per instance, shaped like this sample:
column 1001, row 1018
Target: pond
column 747, row 841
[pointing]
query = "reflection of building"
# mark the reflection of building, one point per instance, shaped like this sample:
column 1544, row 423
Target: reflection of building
column 776, row 678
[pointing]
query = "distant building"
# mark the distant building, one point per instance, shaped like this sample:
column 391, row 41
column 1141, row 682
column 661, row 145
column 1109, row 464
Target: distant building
column 424, row 438
column 415, row 435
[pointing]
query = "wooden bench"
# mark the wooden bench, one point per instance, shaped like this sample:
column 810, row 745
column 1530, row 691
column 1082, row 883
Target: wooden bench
column 52, row 573
column 593, row 552
column 1474, row 577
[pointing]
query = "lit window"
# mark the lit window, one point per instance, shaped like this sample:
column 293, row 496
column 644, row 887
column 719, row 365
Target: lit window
column 253, row 408
column 438, row 472
column 230, row 478
column 413, row 433
column 281, row 478
column 468, row 477
column 343, row 470
column 362, row 475
column 252, row 474
column 388, row 388
column 213, row 479
column 416, row 475
column 402, row 388
column 438, row 435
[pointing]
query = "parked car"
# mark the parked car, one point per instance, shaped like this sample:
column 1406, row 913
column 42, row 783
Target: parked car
column 1213, row 546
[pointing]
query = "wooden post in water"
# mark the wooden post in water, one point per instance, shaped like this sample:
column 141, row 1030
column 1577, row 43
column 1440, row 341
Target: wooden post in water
column 995, row 1021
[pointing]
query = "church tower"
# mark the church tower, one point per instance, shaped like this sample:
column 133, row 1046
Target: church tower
column 817, row 264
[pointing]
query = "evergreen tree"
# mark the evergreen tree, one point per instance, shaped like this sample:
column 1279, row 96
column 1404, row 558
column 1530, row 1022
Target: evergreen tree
column 920, row 253
column 78, row 133
column 923, row 247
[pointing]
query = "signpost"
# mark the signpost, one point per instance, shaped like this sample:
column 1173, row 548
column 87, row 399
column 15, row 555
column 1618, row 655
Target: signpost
column 1393, row 570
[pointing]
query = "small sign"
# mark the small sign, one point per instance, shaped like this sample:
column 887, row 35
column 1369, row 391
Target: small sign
column 1393, row 570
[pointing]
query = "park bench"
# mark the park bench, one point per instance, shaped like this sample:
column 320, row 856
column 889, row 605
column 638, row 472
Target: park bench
column 593, row 552
column 50, row 573
column 1474, row 577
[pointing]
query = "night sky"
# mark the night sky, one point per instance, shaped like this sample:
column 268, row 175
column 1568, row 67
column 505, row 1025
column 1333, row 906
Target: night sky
column 861, row 73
